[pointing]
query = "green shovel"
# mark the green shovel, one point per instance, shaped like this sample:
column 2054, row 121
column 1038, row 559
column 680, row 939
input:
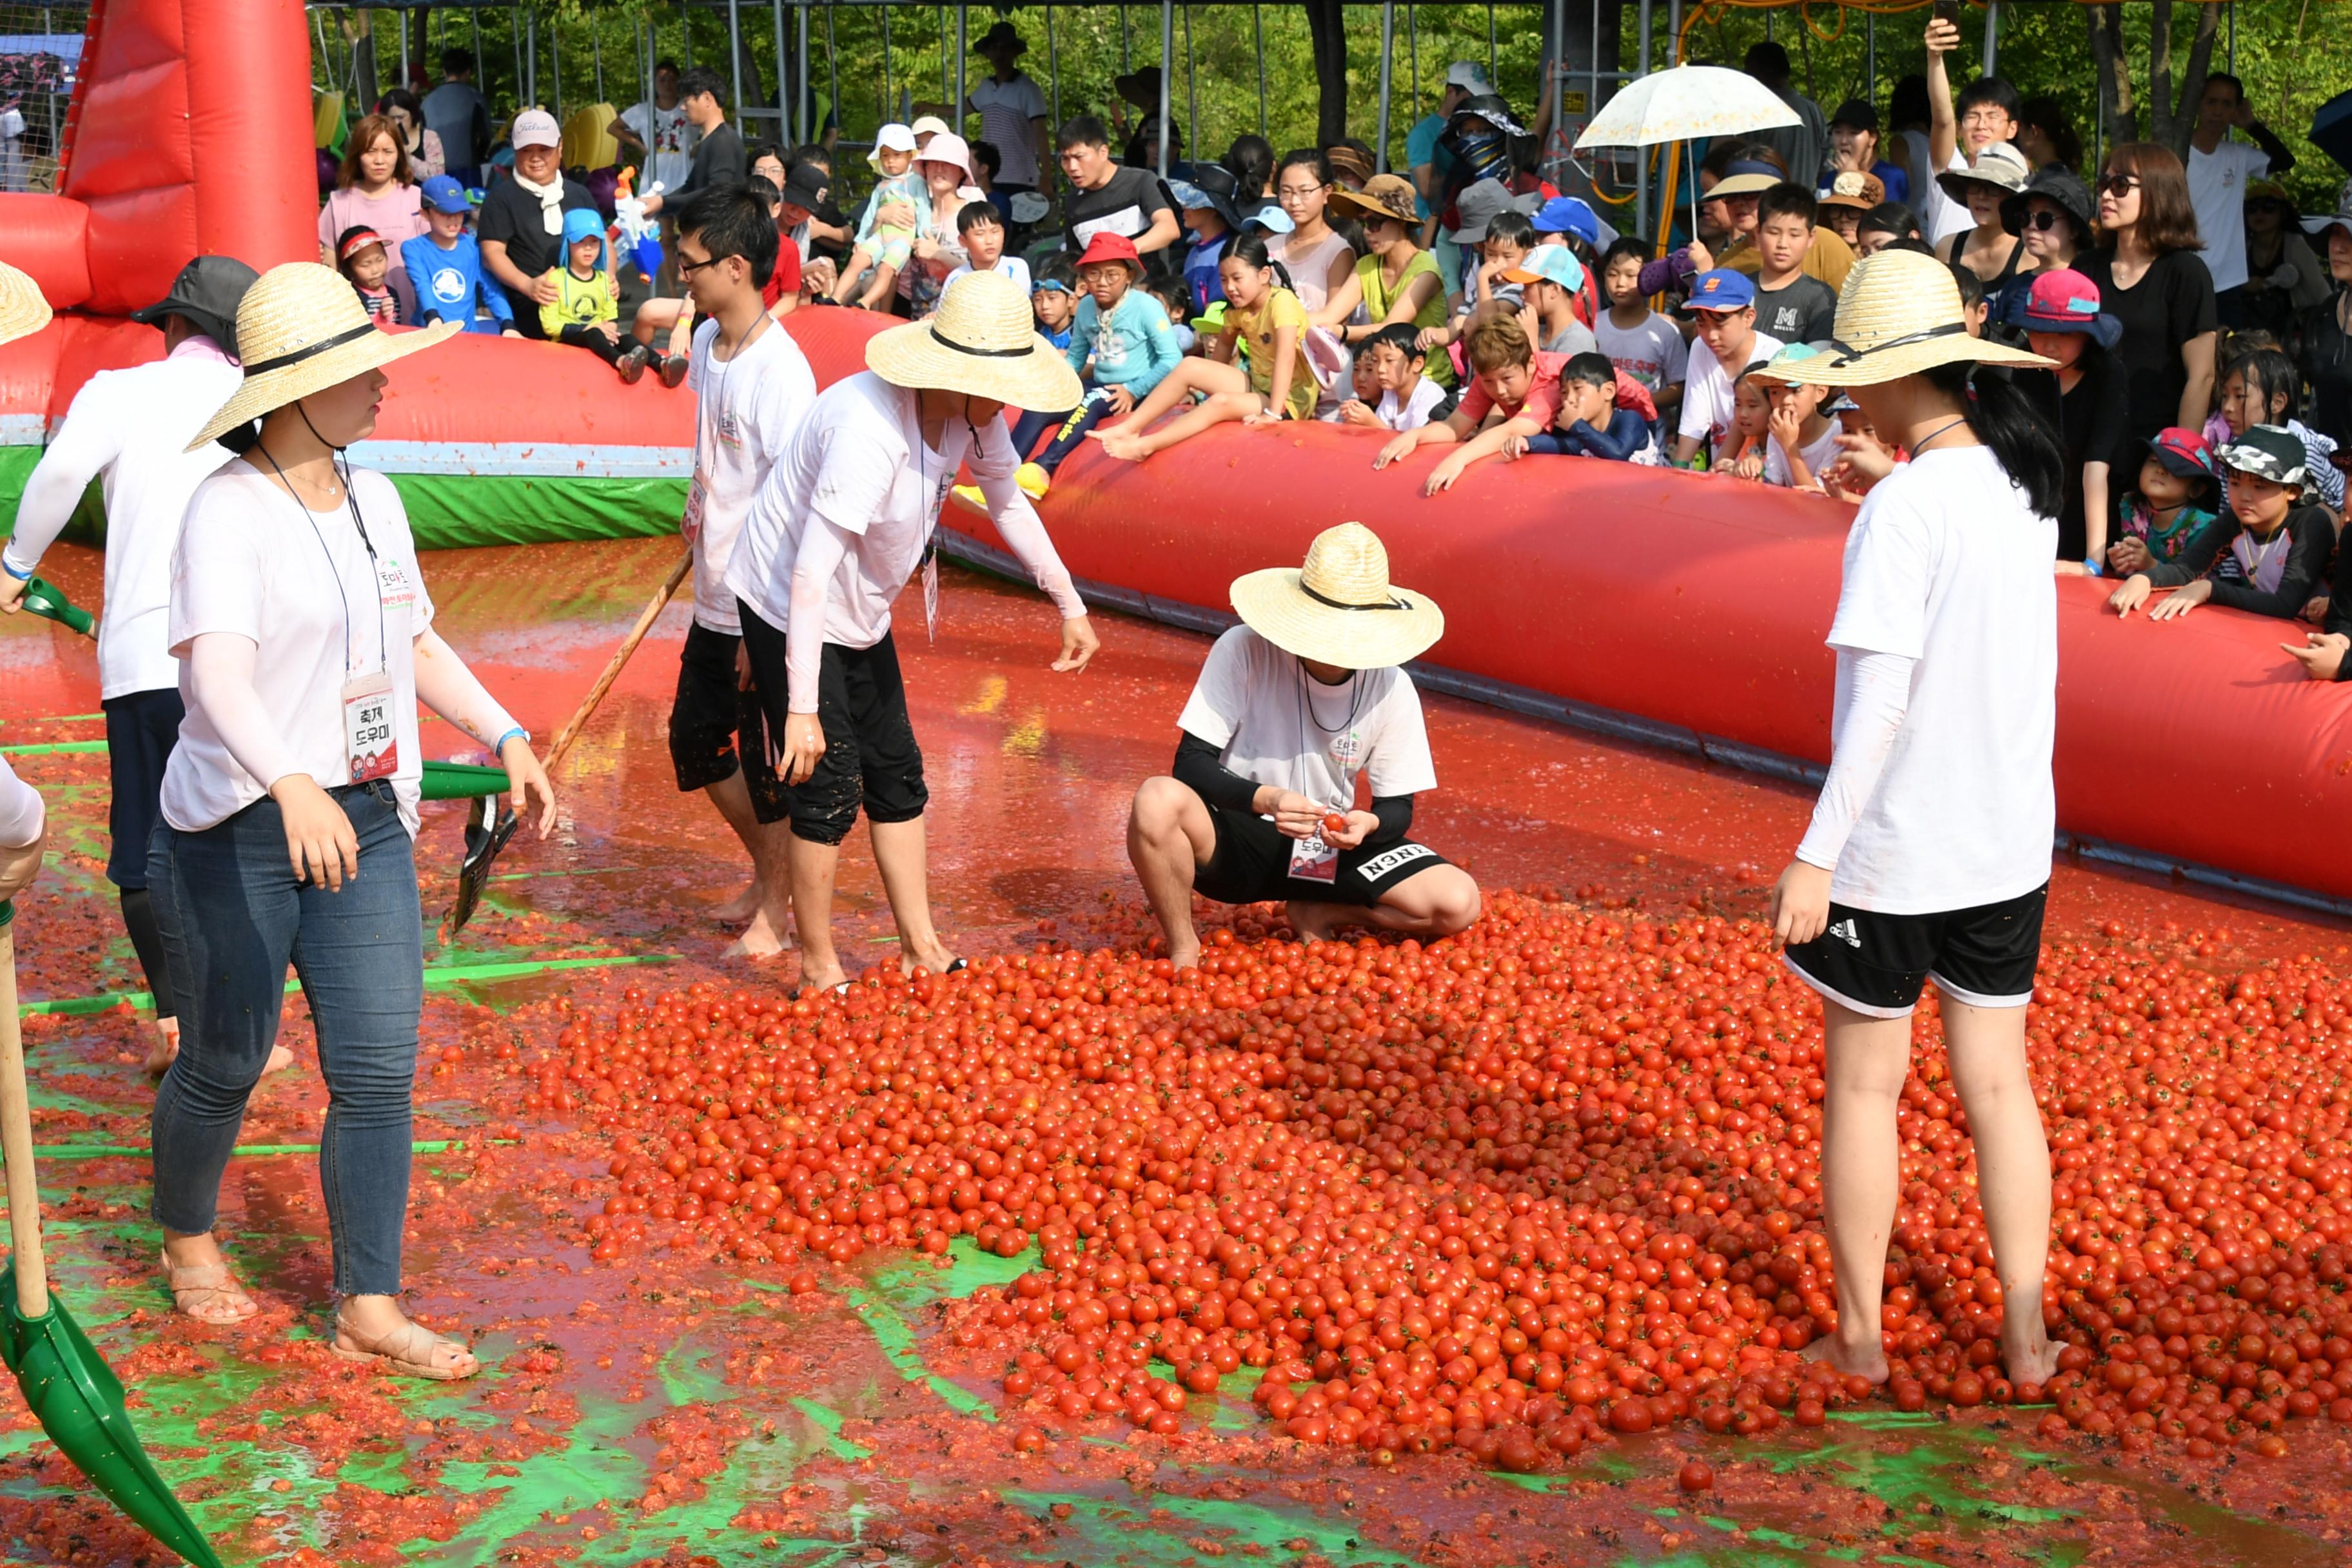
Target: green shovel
column 65, row 1381
column 44, row 599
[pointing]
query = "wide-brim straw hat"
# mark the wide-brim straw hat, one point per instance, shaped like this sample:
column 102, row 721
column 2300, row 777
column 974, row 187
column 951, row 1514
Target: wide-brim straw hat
column 1898, row 314
column 983, row 343
column 1340, row 608
column 299, row 330
column 22, row 310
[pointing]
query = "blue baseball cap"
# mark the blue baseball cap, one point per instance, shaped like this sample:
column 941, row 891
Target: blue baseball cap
column 1721, row 289
column 1567, row 214
column 444, row 194
column 1271, row 218
column 1550, row 264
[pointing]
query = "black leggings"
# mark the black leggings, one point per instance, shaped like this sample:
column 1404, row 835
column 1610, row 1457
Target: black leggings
column 595, row 343
column 147, row 941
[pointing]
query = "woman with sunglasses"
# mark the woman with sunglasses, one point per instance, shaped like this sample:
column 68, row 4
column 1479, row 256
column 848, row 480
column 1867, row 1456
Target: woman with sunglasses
column 2284, row 278
column 2052, row 219
column 2151, row 278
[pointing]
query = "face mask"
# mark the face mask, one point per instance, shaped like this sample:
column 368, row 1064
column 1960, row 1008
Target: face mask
column 1483, row 154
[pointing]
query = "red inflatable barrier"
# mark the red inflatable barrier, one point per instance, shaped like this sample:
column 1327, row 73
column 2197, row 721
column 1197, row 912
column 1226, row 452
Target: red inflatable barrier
column 1700, row 604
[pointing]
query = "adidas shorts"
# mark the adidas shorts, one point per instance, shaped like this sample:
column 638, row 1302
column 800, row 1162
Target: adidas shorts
column 1877, row 964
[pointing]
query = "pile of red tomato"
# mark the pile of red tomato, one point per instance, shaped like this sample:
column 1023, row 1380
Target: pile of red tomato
column 1553, row 1179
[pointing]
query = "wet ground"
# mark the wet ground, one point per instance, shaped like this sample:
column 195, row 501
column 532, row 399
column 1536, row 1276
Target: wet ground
column 666, row 1407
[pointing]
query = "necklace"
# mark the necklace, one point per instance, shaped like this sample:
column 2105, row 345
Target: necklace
column 1921, row 445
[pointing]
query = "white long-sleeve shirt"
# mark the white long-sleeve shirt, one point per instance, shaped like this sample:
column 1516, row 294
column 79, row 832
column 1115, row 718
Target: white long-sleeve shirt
column 126, row 429
column 22, row 815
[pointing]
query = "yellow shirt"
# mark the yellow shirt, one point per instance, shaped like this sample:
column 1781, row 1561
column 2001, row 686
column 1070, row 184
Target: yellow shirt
column 1828, row 258
column 579, row 303
column 1256, row 329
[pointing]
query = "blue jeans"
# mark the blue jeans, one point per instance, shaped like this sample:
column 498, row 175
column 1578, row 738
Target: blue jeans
column 232, row 917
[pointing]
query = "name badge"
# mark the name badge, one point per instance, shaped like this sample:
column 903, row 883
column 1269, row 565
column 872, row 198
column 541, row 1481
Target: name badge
column 696, row 496
column 1312, row 861
column 370, row 743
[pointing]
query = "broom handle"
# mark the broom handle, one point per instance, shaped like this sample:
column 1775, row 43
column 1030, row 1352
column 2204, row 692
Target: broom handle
column 16, row 1143
column 653, row 607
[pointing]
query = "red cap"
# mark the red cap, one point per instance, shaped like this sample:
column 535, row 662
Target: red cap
column 1111, row 248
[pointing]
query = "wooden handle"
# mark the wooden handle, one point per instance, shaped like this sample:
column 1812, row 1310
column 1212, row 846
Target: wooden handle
column 653, row 607
column 16, row 1143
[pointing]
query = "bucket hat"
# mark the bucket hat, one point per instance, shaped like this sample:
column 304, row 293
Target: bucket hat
column 22, row 310
column 207, row 292
column 1348, row 164
column 1491, row 108
column 2063, row 189
column 2184, row 454
column 984, row 341
column 2269, row 452
column 1107, row 246
column 1899, row 314
column 947, row 147
column 892, row 138
column 2064, row 300
column 927, row 124
column 2000, row 165
column 1340, row 608
column 300, row 329
column 1853, row 188
column 1480, row 204
column 1002, row 38
column 1139, row 88
column 1389, row 196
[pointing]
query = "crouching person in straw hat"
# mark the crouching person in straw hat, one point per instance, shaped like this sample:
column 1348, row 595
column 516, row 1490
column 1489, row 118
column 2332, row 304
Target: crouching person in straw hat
column 1291, row 708
column 305, row 639
column 843, row 521
column 1929, row 855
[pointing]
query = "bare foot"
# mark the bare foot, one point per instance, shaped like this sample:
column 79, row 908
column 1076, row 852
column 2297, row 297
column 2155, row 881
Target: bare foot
column 2035, row 1363
column 1185, row 957
column 740, row 908
column 763, row 938
column 1868, row 1362
column 166, row 1049
column 280, row 1058
column 1309, row 927
column 1123, row 444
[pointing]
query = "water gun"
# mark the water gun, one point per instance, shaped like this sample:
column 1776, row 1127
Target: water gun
column 636, row 238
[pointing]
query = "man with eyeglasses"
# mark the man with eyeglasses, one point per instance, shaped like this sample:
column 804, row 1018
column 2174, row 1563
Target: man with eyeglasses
column 1987, row 112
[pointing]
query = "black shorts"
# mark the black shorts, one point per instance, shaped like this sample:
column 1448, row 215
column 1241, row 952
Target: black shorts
column 1251, row 865
column 715, row 726
column 871, row 756
column 1878, row 965
column 141, row 727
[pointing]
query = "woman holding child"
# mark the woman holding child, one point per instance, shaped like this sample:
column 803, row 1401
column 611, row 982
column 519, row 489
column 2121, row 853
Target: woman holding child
column 375, row 189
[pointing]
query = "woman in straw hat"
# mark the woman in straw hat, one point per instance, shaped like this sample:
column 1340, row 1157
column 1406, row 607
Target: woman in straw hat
column 306, row 641
column 24, row 820
column 841, row 524
column 1928, row 856
column 1293, row 706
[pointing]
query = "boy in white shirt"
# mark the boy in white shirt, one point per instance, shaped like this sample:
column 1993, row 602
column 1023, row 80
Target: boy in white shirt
column 751, row 387
column 1803, row 438
column 1727, row 342
column 1392, row 360
column 980, row 231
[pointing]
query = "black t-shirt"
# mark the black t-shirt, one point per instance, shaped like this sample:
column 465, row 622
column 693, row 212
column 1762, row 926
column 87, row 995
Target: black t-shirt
column 2327, row 365
column 2172, row 303
column 719, row 160
column 1126, row 205
column 2089, row 421
column 512, row 216
column 1801, row 311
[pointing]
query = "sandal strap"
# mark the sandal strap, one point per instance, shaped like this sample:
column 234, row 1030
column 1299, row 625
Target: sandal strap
column 402, row 1344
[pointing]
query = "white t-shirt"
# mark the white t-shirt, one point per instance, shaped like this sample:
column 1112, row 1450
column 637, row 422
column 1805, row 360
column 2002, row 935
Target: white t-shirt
column 255, row 563
column 1414, row 413
column 22, row 815
column 1653, row 353
column 1819, row 456
column 127, row 428
column 669, row 136
column 1007, row 111
column 1275, row 724
column 745, row 411
column 1941, row 216
column 2217, row 188
column 1947, row 564
column 1706, row 389
column 1011, row 266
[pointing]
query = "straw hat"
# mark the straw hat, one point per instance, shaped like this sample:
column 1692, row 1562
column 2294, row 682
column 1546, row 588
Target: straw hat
column 1898, row 314
column 23, row 311
column 300, row 329
column 1340, row 609
column 983, row 343
column 1384, row 197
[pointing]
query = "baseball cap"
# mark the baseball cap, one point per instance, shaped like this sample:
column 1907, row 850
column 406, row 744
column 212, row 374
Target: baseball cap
column 1721, row 289
column 535, row 128
column 1550, row 264
column 1567, row 214
column 207, row 292
column 1469, row 76
column 2268, row 452
column 2340, row 218
column 1793, row 353
column 1270, row 217
column 805, row 187
column 2184, row 454
column 1744, row 177
column 1859, row 113
column 444, row 194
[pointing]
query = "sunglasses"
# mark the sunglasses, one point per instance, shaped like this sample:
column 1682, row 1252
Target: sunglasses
column 2045, row 219
column 2118, row 185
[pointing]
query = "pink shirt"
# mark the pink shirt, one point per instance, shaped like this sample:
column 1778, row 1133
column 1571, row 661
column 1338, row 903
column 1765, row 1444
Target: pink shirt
column 396, row 215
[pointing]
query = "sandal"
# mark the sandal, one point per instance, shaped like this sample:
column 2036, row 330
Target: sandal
column 409, row 1350
column 214, row 1290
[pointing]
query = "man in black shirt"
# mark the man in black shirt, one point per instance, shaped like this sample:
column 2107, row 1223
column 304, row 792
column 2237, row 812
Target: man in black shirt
column 1106, row 198
column 719, row 157
column 521, row 225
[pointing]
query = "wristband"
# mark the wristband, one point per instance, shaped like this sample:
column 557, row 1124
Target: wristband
column 9, row 566
column 2090, row 564
column 513, row 733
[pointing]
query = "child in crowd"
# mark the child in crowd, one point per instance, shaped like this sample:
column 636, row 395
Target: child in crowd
column 1742, row 456
column 1362, row 410
column 1638, row 340
column 584, row 311
column 1975, row 300
column 2178, row 487
column 1791, row 305
column 1400, row 395
column 1211, row 219
column 1053, row 298
column 980, row 229
column 1723, row 304
column 1570, row 221
column 1260, row 312
column 360, row 256
column 1551, row 280
column 780, row 295
column 2268, row 556
column 2262, row 386
column 1591, row 422
column 1508, row 236
column 444, row 265
column 1175, row 299
column 880, row 251
column 1801, row 440
column 1120, row 345
column 1513, row 391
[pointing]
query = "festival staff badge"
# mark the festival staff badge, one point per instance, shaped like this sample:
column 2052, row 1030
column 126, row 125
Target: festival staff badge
column 696, row 491
column 1313, row 860
column 371, row 744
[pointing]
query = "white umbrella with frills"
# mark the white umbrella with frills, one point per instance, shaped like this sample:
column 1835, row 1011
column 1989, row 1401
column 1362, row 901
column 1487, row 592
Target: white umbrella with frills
column 1686, row 104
